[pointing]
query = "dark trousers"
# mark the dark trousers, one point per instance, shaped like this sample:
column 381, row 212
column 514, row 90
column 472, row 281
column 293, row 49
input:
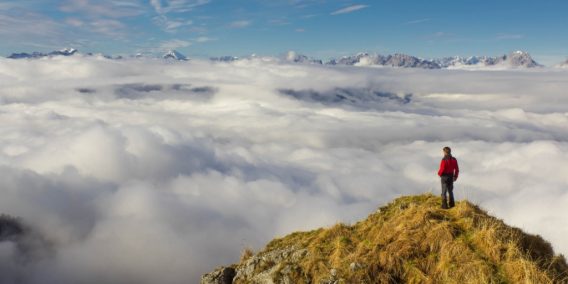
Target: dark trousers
column 447, row 189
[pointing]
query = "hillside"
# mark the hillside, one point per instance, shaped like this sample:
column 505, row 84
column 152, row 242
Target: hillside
column 410, row 240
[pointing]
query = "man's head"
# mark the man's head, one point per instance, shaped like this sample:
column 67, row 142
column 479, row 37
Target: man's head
column 447, row 151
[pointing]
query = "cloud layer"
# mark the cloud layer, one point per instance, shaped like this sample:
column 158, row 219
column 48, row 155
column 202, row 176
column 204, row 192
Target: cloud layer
column 144, row 171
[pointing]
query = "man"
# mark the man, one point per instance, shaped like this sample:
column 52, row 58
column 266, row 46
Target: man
column 448, row 173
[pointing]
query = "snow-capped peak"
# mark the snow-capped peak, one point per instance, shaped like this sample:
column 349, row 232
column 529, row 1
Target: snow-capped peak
column 68, row 50
column 174, row 54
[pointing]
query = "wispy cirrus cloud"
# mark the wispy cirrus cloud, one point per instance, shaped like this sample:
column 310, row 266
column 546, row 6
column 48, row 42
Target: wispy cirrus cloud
column 172, row 25
column 176, row 6
column 349, row 9
column 110, row 9
column 163, row 8
column 106, row 18
column 108, row 27
column 174, row 44
column 279, row 22
column 240, row 24
column 203, row 39
column 418, row 21
column 179, row 43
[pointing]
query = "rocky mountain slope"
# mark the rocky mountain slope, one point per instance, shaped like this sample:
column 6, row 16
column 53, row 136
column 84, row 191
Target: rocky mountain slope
column 410, row 240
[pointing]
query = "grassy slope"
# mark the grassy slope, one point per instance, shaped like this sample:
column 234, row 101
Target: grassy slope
column 412, row 240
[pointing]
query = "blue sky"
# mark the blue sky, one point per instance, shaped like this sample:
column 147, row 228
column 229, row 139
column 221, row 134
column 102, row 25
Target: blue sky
column 319, row 28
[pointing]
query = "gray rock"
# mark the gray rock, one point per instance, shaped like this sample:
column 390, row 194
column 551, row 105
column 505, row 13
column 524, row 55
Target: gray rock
column 271, row 267
column 333, row 272
column 355, row 266
column 223, row 275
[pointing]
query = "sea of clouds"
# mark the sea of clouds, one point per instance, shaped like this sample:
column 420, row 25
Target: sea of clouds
column 146, row 171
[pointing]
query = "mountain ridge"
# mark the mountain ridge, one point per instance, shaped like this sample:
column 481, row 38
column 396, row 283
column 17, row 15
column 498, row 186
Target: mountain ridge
column 513, row 60
column 410, row 240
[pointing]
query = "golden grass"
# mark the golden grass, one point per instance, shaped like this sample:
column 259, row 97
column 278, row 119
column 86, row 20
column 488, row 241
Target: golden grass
column 412, row 240
column 246, row 254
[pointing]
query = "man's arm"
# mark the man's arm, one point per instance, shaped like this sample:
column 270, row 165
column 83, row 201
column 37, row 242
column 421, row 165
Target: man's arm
column 456, row 171
column 441, row 170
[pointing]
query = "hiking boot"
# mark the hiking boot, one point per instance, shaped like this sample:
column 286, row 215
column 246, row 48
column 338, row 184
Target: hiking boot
column 444, row 204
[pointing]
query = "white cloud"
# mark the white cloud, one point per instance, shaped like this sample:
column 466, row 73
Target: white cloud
column 163, row 7
column 419, row 21
column 108, row 27
column 203, row 39
column 174, row 44
column 74, row 22
column 349, row 9
column 97, row 9
column 240, row 24
column 143, row 171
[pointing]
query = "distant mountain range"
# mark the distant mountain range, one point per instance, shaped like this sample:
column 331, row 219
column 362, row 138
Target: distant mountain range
column 170, row 54
column 63, row 52
column 513, row 60
column 516, row 59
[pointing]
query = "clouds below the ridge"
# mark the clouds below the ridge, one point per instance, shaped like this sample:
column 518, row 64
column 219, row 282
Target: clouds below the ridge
column 147, row 172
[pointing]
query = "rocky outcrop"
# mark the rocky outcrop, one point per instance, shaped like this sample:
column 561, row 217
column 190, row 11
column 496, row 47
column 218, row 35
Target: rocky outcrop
column 223, row 275
column 277, row 266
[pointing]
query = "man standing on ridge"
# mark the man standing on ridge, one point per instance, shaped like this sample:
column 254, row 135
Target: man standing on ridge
column 448, row 173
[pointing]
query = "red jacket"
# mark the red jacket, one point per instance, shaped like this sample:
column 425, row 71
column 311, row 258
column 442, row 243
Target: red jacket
column 449, row 166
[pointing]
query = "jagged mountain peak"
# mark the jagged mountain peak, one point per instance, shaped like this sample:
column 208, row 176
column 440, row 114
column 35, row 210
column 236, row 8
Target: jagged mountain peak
column 174, row 54
column 522, row 59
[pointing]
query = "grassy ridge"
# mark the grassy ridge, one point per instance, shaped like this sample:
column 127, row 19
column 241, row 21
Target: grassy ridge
column 412, row 240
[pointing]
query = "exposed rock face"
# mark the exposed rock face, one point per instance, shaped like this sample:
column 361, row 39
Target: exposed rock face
column 407, row 61
column 522, row 59
column 222, row 275
column 271, row 267
column 410, row 240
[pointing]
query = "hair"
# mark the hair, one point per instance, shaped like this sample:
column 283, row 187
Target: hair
column 447, row 151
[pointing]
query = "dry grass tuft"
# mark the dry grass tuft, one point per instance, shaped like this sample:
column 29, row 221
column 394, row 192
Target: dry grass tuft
column 246, row 254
